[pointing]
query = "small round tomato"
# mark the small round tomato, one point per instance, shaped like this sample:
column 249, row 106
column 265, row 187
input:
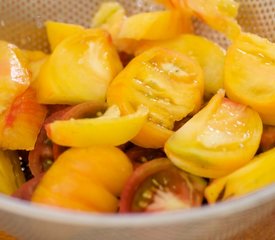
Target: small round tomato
column 159, row 186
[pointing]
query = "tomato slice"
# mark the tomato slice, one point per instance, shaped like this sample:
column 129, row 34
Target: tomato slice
column 159, row 186
column 108, row 129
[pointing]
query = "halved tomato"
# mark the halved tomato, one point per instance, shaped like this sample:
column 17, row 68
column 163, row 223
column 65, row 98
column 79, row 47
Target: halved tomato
column 168, row 83
column 249, row 74
column 159, row 186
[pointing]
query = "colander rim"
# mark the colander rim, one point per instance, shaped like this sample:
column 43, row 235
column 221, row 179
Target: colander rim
column 223, row 209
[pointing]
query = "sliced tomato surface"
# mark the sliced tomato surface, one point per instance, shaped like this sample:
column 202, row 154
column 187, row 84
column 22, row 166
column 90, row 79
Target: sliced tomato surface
column 159, row 186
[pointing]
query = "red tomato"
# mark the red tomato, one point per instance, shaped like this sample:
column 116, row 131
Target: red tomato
column 139, row 155
column 26, row 190
column 159, row 186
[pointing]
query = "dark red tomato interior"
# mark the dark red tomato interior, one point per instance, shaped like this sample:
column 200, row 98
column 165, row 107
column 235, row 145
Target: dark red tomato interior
column 139, row 155
column 156, row 186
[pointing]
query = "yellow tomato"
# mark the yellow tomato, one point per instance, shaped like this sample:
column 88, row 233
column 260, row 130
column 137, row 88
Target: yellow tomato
column 111, row 129
column 253, row 176
column 21, row 122
column 128, row 32
column 35, row 61
column 155, row 25
column 168, row 83
column 249, row 74
column 14, row 74
column 219, row 139
column 11, row 176
column 210, row 56
column 86, row 179
column 218, row 14
column 110, row 17
column 80, row 69
column 172, row 4
column 58, row 31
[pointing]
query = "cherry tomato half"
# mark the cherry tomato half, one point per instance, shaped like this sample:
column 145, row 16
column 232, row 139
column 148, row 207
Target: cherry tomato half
column 159, row 186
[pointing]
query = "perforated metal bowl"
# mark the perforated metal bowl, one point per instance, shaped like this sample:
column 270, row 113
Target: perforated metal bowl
column 21, row 22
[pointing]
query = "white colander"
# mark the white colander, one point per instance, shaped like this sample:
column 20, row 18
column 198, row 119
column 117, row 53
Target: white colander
column 21, row 22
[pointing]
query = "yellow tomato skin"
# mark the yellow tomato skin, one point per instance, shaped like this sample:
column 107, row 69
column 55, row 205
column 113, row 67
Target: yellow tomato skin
column 168, row 83
column 21, row 122
column 11, row 176
column 86, row 179
column 219, row 139
column 249, row 74
column 218, row 14
column 110, row 17
column 35, row 61
column 58, row 31
column 154, row 26
column 210, row 56
column 80, row 69
column 14, row 74
column 255, row 175
column 106, row 130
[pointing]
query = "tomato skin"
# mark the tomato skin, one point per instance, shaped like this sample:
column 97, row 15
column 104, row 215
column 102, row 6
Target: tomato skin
column 249, row 74
column 110, row 129
column 26, row 190
column 268, row 138
column 85, row 179
column 159, row 178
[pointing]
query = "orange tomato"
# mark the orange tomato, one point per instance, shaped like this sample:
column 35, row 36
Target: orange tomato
column 87, row 179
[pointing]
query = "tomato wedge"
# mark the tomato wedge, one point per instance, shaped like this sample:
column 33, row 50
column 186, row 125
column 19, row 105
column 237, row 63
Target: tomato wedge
column 45, row 151
column 219, row 139
column 111, row 129
column 159, row 186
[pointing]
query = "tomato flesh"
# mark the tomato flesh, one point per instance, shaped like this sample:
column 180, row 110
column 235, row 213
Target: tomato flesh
column 159, row 186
